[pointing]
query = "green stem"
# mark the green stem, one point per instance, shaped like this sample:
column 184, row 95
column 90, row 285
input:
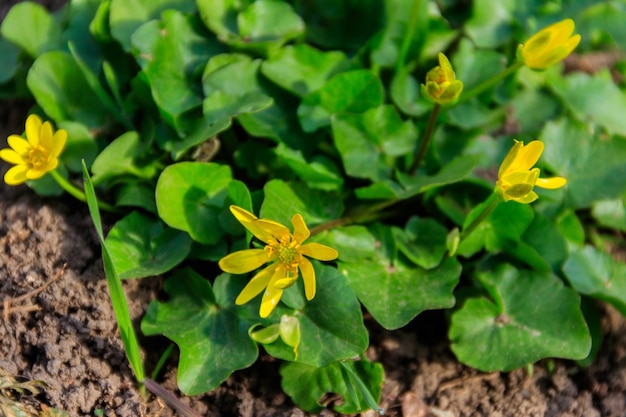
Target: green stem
column 77, row 193
column 351, row 376
column 421, row 152
column 408, row 35
column 491, row 203
column 490, row 82
column 166, row 354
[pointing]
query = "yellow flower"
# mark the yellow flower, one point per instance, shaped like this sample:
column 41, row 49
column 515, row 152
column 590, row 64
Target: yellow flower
column 516, row 179
column 36, row 155
column 286, row 252
column 441, row 84
column 550, row 45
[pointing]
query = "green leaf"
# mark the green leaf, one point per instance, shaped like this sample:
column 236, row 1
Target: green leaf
column 610, row 213
column 122, row 158
column 352, row 91
column 171, row 51
column 423, row 241
column 366, row 140
column 320, row 172
column 596, row 274
column 306, row 385
column 352, row 242
column 474, row 65
column 282, row 201
column 302, row 69
column 190, row 196
column 77, row 32
column 393, row 290
column 593, row 99
column 261, row 27
column 546, row 241
column 532, row 316
column 406, row 94
column 80, row 145
column 491, row 23
column 127, row 15
column 116, row 291
column 453, row 172
column 231, row 87
column 30, row 26
column 593, row 165
column 323, row 338
column 141, row 247
column 59, row 87
column 204, row 323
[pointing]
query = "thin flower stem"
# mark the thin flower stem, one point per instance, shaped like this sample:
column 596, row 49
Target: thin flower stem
column 77, row 193
column 421, row 152
column 491, row 203
column 490, row 82
column 408, row 35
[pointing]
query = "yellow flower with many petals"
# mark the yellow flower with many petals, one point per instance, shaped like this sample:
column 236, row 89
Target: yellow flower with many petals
column 550, row 45
column 441, row 86
column 287, row 254
column 517, row 177
column 36, row 155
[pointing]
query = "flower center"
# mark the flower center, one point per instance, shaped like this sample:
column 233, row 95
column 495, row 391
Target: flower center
column 38, row 156
column 288, row 252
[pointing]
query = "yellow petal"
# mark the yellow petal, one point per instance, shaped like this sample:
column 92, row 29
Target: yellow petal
column 16, row 175
column 300, row 230
column 285, row 283
column 58, row 143
column 308, row 276
column 35, row 174
column 19, row 145
column 33, row 129
column 509, row 158
column 551, row 183
column 12, row 157
column 243, row 261
column 528, row 156
column 317, row 251
column 45, row 136
column 256, row 285
column 446, row 67
column 271, row 228
column 271, row 297
column 246, row 219
column 528, row 198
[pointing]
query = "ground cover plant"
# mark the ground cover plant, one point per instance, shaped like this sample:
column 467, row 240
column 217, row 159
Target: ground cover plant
column 370, row 156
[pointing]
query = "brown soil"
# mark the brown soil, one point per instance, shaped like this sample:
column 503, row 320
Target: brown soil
column 66, row 336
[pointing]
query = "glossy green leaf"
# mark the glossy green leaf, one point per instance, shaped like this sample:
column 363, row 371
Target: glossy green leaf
column 593, row 165
column 595, row 273
column 31, row 27
column 367, row 140
column 491, row 23
column 171, row 52
column 306, row 385
column 127, row 15
column 302, row 69
column 393, row 290
column 62, row 100
column 191, row 196
column 610, row 213
column 532, row 316
column 121, row 158
column 352, row 91
column 319, row 173
column 352, row 242
column 406, row 94
column 204, row 323
column 323, row 338
column 282, row 201
column 141, row 247
column 422, row 241
column 545, row 240
column 473, row 65
column 80, row 145
column 231, row 87
column 593, row 99
column 77, row 32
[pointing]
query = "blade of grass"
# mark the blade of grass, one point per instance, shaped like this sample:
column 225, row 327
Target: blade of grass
column 116, row 291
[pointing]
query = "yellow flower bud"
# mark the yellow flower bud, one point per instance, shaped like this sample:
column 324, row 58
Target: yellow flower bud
column 441, row 84
column 549, row 46
column 516, row 179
